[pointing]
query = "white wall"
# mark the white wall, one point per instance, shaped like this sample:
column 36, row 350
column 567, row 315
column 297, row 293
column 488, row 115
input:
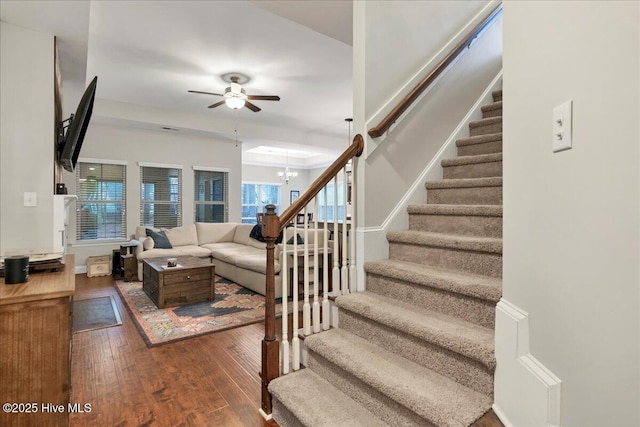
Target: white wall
column 27, row 138
column 402, row 36
column 571, row 219
column 269, row 175
column 381, row 53
column 133, row 145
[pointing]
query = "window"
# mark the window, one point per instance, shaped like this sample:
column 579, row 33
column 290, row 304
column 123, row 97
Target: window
column 101, row 191
column 160, row 196
column 211, row 202
column 255, row 197
column 331, row 201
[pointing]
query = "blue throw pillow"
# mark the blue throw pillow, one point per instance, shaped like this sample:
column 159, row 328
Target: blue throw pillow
column 160, row 240
column 300, row 240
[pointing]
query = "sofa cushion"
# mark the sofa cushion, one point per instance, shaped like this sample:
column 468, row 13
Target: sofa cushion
column 182, row 236
column 160, row 239
column 256, row 262
column 257, row 244
column 141, row 231
column 243, row 231
column 230, row 252
column 210, row 232
column 191, row 250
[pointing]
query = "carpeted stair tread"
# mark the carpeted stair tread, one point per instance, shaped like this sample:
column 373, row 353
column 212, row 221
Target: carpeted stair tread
column 473, row 341
column 458, row 210
column 494, row 106
column 436, row 398
column 497, row 95
column 315, row 402
column 485, row 122
column 473, row 285
column 450, row 241
column 465, row 183
column 469, row 160
column 479, row 139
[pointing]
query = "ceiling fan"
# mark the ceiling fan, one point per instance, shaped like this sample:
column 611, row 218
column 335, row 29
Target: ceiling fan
column 235, row 96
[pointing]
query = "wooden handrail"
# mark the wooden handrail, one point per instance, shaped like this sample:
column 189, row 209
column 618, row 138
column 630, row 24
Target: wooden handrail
column 354, row 150
column 406, row 102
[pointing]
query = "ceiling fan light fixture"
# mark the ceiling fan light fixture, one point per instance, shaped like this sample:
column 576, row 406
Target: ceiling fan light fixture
column 235, row 96
column 234, row 102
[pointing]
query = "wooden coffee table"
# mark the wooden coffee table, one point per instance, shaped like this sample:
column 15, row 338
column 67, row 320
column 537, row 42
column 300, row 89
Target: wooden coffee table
column 193, row 280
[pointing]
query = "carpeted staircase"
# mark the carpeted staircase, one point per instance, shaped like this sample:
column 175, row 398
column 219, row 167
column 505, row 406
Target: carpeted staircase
column 417, row 348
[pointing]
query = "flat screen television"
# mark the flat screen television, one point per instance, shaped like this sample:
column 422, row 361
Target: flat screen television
column 71, row 134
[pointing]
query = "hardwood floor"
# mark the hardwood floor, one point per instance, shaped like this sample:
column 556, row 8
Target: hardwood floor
column 206, row 381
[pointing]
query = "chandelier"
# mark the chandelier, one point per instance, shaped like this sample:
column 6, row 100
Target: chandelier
column 287, row 175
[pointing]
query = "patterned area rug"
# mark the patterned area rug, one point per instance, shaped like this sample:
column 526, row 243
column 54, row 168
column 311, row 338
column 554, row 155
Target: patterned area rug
column 233, row 306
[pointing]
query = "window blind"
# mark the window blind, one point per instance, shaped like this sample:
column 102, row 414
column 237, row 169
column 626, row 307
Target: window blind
column 211, row 198
column 160, row 196
column 101, row 206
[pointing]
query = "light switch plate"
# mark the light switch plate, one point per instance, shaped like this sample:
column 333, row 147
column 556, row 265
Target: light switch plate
column 562, row 127
column 30, row 198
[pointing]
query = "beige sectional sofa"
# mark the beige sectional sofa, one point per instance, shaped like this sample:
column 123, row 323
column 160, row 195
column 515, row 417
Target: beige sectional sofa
column 237, row 257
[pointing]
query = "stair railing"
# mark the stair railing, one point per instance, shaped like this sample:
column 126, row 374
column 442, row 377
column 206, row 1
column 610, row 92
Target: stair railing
column 315, row 252
column 430, row 78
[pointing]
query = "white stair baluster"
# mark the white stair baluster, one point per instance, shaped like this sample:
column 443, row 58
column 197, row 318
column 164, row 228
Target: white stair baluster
column 306, row 307
column 295, row 341
column 337, row 289
column 345, row 248
column 316, row 266
column 325, row 269
column 284, row 345
column 352, row 229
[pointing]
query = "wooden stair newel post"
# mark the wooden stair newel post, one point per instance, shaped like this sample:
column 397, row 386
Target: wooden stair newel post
column 270, row 346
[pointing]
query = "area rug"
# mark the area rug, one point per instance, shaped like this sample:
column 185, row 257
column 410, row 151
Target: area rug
column 233, row 306
column 95, row 313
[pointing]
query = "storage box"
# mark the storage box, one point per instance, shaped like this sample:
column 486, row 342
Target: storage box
column 98, row 266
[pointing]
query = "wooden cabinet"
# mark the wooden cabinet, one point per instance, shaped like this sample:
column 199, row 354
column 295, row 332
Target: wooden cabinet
column 35, row 348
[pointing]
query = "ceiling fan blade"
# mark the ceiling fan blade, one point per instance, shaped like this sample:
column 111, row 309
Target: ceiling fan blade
column 251, row 106
column 204, row 93
column 263, row 97
column 217, row 104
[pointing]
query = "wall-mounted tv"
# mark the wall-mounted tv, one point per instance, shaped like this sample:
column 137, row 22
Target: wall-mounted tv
column 72, row 130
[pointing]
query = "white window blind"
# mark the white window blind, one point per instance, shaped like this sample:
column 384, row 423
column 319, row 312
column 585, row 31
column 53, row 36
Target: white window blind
column 211, row 198
column 160, row 196
column 255, row 197
column 100, row 209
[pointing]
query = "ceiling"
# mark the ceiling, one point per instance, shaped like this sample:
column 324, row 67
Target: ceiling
column 151, row 53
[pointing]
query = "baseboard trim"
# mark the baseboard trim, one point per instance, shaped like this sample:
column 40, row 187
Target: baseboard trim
column 81, row 269
column 267, row 417
column 526, row 392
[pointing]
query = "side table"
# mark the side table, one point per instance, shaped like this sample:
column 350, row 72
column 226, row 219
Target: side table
column 128, row 262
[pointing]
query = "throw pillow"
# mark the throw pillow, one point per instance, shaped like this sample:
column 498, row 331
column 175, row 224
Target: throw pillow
column 299, row 240
column 160, row 239
column 148, row 243
column 256, row 233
